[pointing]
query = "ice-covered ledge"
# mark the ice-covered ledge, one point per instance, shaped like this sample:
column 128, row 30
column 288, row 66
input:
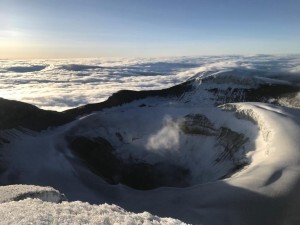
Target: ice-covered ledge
column 20, row 192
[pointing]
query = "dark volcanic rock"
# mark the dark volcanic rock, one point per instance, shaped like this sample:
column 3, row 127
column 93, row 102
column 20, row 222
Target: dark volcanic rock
column 127, row 96
column 197, row 124
column 231, row 142
column 101, row 158
column 228, row 142
column 14, row 114
column 261, row 94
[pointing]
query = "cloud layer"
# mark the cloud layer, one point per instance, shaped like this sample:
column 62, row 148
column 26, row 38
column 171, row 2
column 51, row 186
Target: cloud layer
column 62, row 84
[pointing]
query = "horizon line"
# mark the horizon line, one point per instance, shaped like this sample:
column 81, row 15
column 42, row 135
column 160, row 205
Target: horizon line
column 147, row 57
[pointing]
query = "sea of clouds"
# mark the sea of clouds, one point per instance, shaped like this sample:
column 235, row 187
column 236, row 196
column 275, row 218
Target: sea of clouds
column 66, row 83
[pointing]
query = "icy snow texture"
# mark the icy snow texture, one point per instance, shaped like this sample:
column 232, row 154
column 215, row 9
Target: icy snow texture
column 35, row 211
column 20, row 192
column 29, row 204
column 62, row 84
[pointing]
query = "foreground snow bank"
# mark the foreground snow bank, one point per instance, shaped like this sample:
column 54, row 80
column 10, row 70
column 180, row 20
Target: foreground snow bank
column 36, row 211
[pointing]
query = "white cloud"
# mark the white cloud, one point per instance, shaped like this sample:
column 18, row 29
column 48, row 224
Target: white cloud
column 167, row 138
column 62, row 84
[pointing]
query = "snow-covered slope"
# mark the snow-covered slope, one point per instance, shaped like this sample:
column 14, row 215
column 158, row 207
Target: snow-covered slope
column 187, row 152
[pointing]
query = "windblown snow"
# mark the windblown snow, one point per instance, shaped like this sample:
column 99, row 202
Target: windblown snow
column 211, row 155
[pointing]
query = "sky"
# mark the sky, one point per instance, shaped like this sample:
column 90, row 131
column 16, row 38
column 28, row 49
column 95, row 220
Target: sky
column 144, row 28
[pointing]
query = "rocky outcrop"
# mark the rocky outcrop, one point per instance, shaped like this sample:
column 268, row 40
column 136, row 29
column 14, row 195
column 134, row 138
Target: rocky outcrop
column 15, row 114
column 127, row 96
column 228, row 142
column 197, row 124
column 263, row 93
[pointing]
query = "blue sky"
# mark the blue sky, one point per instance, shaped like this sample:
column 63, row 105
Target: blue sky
column 141, row 28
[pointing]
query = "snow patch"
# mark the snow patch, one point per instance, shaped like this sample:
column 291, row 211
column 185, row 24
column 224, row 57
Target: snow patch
column 19, row 192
